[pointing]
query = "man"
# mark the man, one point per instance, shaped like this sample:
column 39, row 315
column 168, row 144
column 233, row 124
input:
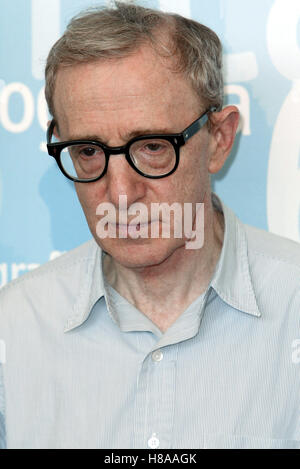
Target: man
column 140, row 341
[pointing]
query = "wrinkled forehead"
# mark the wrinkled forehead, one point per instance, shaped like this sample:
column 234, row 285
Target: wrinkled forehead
column 143, row 76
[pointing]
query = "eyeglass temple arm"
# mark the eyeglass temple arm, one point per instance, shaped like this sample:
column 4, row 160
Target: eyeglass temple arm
column 50, row 130
column 198, row 124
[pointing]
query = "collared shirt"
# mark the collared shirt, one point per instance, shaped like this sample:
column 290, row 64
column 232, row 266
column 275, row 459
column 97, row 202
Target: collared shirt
column 85, row 369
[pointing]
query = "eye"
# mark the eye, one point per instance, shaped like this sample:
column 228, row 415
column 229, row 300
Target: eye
column 89, row 151
column 153, row 147
column 85, row 152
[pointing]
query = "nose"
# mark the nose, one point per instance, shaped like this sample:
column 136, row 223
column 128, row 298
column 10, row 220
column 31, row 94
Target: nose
column 122, row 179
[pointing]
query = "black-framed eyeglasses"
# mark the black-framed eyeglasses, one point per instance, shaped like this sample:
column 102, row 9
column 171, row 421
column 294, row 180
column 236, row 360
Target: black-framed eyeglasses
column 152, row 156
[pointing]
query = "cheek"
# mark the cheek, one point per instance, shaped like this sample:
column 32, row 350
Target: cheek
column 195, row 171
column 193, row 182
column 89, row 196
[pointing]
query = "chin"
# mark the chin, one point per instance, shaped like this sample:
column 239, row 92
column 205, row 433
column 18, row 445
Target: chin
column 139, row 253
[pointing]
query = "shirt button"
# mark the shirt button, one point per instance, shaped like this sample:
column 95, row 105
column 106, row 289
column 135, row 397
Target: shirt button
column 153, row 442
column 157, row 355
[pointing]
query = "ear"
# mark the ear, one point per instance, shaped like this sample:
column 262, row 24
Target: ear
column 223, row 130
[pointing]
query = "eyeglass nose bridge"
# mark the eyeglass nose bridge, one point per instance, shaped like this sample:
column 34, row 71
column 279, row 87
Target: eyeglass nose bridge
column 124, row 150
column 114, row 151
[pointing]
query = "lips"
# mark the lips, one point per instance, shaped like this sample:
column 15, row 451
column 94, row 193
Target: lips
column 133, row 230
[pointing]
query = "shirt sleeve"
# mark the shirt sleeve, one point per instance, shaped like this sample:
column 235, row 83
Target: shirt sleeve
column 2, row 412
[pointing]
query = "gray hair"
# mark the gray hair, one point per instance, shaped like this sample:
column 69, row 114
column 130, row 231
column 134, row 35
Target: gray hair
column 108, row 33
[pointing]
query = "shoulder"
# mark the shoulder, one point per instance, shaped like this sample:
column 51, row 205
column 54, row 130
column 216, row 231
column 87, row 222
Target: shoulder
column 62, row 263
column 61, row 274
column 274, row 264
column 272, row 248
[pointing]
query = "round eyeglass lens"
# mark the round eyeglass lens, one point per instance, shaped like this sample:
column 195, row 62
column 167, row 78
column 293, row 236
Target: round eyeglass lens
column 83, row 161
column 154, row 157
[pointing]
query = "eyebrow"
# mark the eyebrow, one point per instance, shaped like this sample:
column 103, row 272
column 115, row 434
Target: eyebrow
column 139, row 132
column 127, row 137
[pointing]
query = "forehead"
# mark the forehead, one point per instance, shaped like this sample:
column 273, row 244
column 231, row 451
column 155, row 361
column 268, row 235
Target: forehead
column 143, row 85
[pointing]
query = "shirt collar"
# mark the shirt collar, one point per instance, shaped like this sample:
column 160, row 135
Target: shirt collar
column 231, row 280
column 91, row 291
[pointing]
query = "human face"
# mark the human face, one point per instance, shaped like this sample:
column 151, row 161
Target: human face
column 113, row 100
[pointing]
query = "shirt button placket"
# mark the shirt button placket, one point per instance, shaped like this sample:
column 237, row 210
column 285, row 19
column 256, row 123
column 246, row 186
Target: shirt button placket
column 153, row 441
column 154, row 410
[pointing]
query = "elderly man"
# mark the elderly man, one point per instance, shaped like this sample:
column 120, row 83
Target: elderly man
column 141, row 341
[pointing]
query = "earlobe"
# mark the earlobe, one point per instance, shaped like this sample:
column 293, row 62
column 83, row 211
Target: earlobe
column 224, row 125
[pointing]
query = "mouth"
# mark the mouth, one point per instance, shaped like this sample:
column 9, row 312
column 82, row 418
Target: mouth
column 133, row 230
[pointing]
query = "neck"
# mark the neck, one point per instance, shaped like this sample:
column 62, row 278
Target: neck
column 151, row 289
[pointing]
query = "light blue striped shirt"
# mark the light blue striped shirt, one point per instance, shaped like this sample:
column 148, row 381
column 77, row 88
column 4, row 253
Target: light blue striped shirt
column 85, row 369
column 2, row 409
